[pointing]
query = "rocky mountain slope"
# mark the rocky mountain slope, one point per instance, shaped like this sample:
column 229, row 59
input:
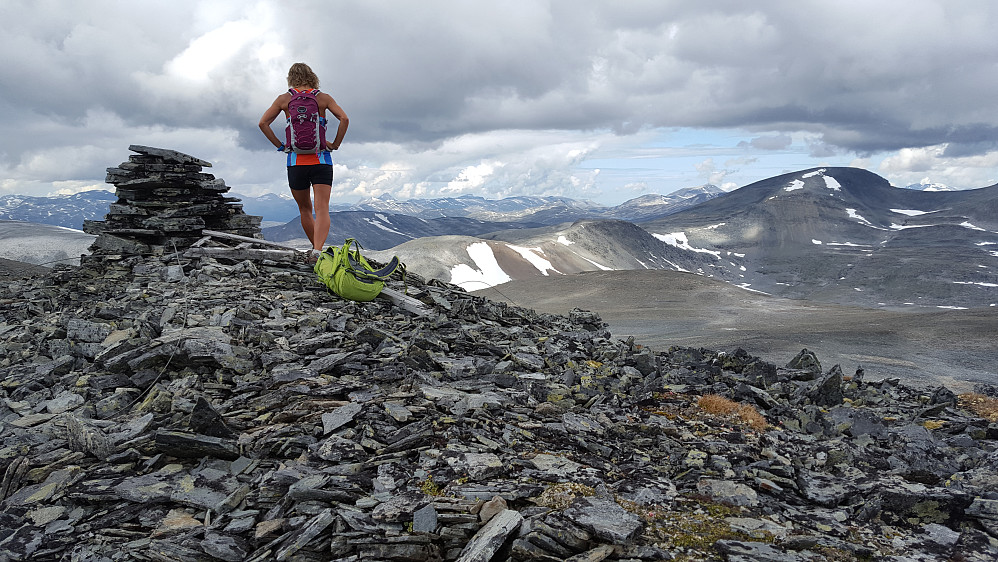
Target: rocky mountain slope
column 846, row 235
column 661, row 308
column 476, row 263
column 831, row 235
column 163, row 408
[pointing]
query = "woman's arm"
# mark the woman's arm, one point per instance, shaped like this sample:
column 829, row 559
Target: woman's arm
column 341, row 116
column 268, row 117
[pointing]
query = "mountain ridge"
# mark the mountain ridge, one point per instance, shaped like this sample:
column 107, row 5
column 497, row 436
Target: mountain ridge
column 71, row 210
column 846, row 235
column 828, row 234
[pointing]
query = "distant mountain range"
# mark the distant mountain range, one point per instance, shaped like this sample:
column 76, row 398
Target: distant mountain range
column 929, row 186
column 374, row 219
column 68, row 211
column 839, row 235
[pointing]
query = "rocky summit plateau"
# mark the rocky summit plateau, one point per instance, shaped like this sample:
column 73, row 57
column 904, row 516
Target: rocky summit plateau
column 166, row 406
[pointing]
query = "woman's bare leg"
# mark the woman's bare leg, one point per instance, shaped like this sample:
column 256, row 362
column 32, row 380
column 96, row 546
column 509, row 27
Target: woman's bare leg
column 304, row 200
column 320, row 228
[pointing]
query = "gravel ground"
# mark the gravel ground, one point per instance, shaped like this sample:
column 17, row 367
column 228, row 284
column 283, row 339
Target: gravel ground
column 922, row 346
column 10, row 269
column 42, row 244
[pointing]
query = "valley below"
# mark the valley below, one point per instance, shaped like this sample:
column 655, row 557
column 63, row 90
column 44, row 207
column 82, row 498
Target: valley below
column 923, row 346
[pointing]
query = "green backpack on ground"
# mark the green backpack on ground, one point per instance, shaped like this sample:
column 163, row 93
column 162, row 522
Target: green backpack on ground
column 344, row 271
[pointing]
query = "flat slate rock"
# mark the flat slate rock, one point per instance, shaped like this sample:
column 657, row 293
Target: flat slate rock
column 169, row 155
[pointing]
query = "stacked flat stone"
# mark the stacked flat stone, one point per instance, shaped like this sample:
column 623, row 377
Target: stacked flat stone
column 164, row 203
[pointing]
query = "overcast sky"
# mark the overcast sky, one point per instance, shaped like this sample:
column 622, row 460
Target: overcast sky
column 591, row 99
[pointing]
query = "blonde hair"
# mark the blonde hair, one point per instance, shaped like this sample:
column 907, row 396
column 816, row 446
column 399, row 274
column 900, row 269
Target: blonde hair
column 301, row 75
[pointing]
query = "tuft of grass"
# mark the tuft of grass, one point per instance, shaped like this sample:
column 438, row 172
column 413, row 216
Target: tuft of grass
column 430, row 488
column 560, row 496
column 721, row 406
column 693, row 525
column 982, row 405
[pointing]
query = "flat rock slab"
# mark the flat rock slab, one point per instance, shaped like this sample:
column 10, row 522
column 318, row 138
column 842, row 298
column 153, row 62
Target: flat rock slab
column 605, row 519
column 191, row 445
column 331, row 421
column 169, row 155
column 490, row 538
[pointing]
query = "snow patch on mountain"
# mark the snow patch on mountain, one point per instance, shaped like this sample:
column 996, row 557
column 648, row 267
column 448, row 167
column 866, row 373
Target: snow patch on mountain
column 911, row 212
column 681, row 241
column 748, row 287
column 858, row 217
column 378, row 223
column 533, row 256
column 978, row 283
column 849, row 244
column 488, row 274
column 799, row 183
column 794, row 186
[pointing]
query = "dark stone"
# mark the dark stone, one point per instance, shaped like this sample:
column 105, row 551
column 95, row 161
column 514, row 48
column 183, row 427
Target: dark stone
column 224, row 547
column 807, row 362
column 206, row 421
column 827, row 391
column 189, row 445
column 605, row 519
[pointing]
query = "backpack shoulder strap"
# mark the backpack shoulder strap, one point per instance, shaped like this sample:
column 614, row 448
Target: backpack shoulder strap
column 387, row 270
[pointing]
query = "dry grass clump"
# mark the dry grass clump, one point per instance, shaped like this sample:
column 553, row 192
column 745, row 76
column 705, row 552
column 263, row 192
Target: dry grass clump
column 982, row 405
column 560, row 496
column 721, row 406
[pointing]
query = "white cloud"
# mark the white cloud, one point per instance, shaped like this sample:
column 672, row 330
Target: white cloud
column 471, row 178
column 910, row 166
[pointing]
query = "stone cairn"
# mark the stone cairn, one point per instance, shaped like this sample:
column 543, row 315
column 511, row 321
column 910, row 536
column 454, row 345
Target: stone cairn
column 164, row 203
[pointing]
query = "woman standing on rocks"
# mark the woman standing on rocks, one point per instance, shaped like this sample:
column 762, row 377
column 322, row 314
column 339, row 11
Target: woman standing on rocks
column 309, row 161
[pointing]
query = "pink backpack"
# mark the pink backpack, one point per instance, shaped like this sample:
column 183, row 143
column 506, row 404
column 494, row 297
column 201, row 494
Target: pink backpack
column 306, row 131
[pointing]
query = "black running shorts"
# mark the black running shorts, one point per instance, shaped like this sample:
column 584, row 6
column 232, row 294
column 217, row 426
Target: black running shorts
column 304, row 177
